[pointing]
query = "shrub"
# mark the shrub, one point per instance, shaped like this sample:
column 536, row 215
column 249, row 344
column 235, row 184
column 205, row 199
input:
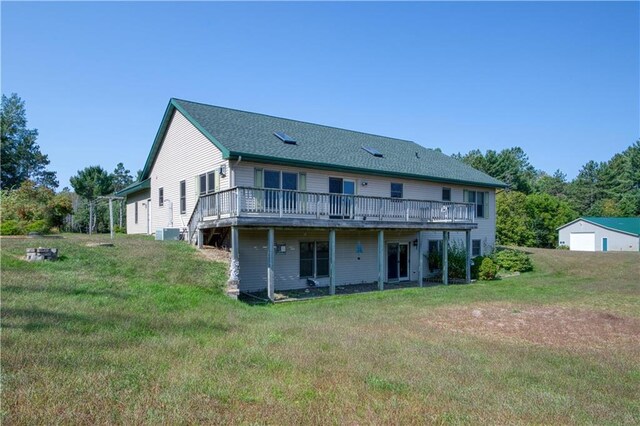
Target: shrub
column 119, row 229
column 513, row 261
column 11, row 227
column 40, row 226
column 457, row 261
column 488, row 269
column 475, row 266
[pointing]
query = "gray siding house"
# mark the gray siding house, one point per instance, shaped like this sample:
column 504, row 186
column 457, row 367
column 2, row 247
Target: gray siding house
column 601, row 234
column 302, row 203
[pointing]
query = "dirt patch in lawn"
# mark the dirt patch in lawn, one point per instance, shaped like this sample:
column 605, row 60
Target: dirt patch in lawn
column 555, row 326
column 216, row 254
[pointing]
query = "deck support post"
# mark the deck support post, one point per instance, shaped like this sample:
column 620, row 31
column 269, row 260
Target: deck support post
column 381, row 260
column 332, row 262
column 468, row 260
column 270, row 261
column 445, row 257
column 233, row 285
column 420, row 260
column 200, row 238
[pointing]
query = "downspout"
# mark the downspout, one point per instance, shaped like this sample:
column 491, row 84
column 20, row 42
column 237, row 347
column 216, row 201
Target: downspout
column 233, row 171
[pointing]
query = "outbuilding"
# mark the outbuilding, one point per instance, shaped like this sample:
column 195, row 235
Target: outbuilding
column 601, row 234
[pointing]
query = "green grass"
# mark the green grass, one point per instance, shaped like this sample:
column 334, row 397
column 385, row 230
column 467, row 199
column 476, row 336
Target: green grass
column 142, row 333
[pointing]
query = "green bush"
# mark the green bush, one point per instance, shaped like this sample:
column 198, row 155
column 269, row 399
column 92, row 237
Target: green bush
column 475, row 266
column 457, row 261
column 119, row 229
column 513, row 261
column 11, row 227
column 488, row 269
column 40, row 226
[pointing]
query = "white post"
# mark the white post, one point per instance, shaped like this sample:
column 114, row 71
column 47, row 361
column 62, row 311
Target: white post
column 200, row 238
column 233, row 285
column 445, row 257
column 468, row 263
column 381, row 260
column 270, row 256
column 111, row 217
column 420, row 260
column 332, row 262
column 90, row 217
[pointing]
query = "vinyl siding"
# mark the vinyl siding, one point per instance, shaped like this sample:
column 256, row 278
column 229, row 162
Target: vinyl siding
column 351, row 267
column 184, row 155
column 318, row 181
column 616, row 241
column 141, row 198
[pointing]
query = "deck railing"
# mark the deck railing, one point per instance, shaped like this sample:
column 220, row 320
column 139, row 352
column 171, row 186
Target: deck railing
column 244, row 201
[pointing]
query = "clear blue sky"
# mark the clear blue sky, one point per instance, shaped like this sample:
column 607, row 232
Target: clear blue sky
column 561, row 80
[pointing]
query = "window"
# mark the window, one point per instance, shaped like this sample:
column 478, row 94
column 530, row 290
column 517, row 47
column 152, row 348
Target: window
column 161, row 197
column 446, row 194
column 314, row 259
column 203, row 184
column 479, row 199
column 135, row 213
column 396, row 190
column 475, row 248
column 211, row 182
column 183, row 197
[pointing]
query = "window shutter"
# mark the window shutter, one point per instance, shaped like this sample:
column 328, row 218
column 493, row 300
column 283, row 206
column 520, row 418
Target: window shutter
column 257, row 178
column 216, row 178
column 486, row 205
column 197, row 186
column 302, row 184
column 465, row 196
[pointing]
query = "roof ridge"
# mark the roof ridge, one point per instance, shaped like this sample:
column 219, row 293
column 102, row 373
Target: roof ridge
column 301, row 121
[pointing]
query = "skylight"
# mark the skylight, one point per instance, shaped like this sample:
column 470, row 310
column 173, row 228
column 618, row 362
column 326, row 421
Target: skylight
column 373, row 151
column 285, row 138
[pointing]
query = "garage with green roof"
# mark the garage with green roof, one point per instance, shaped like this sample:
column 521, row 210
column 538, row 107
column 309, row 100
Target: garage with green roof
column 601, row 234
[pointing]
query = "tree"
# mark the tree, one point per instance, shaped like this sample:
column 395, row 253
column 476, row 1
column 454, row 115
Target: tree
column 513, row 225
column 90, row 183
column 546, row 214
column 33, row 208
column 555, row 185
column 20, row 154
column 509, row 165
column 121, row 179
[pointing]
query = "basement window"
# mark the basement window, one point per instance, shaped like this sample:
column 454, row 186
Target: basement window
column 285, row 138
column 373, row 151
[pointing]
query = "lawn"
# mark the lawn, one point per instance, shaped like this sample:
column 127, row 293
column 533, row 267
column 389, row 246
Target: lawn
column 141, row 333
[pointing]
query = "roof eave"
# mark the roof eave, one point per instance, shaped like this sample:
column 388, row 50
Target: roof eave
column 310, row 164
column 162, row 130
column 599, row 225
column 134, row 187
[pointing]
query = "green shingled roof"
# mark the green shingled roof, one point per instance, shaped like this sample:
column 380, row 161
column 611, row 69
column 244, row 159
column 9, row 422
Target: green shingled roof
column 251, row 135
column 630, row 225
column 134, row 187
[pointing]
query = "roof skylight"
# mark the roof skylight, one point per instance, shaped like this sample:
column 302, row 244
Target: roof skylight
column 285, row 138
column 373, row 151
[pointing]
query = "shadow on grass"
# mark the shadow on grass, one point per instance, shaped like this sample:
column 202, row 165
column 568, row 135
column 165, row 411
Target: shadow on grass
column 65, row 291
column 131, row 328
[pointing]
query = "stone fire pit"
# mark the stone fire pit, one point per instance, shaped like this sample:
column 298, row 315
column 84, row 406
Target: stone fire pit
column 41, row 253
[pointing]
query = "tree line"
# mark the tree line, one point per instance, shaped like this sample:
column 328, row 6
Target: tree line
column 535, row 204
column 528, row 212
column 28, row 198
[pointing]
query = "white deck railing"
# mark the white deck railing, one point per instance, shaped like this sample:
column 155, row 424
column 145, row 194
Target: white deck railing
column 265, row 202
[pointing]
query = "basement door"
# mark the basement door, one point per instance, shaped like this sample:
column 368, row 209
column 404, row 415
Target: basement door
column 397, row 262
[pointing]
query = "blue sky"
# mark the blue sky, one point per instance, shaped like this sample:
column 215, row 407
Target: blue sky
column 561, row 80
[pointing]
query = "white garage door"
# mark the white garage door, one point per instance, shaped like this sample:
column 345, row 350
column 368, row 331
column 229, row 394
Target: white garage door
column 582, row 241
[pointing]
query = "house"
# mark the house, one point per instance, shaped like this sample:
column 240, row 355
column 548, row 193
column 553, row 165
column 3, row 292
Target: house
column 335, row 206
column 601, row 234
